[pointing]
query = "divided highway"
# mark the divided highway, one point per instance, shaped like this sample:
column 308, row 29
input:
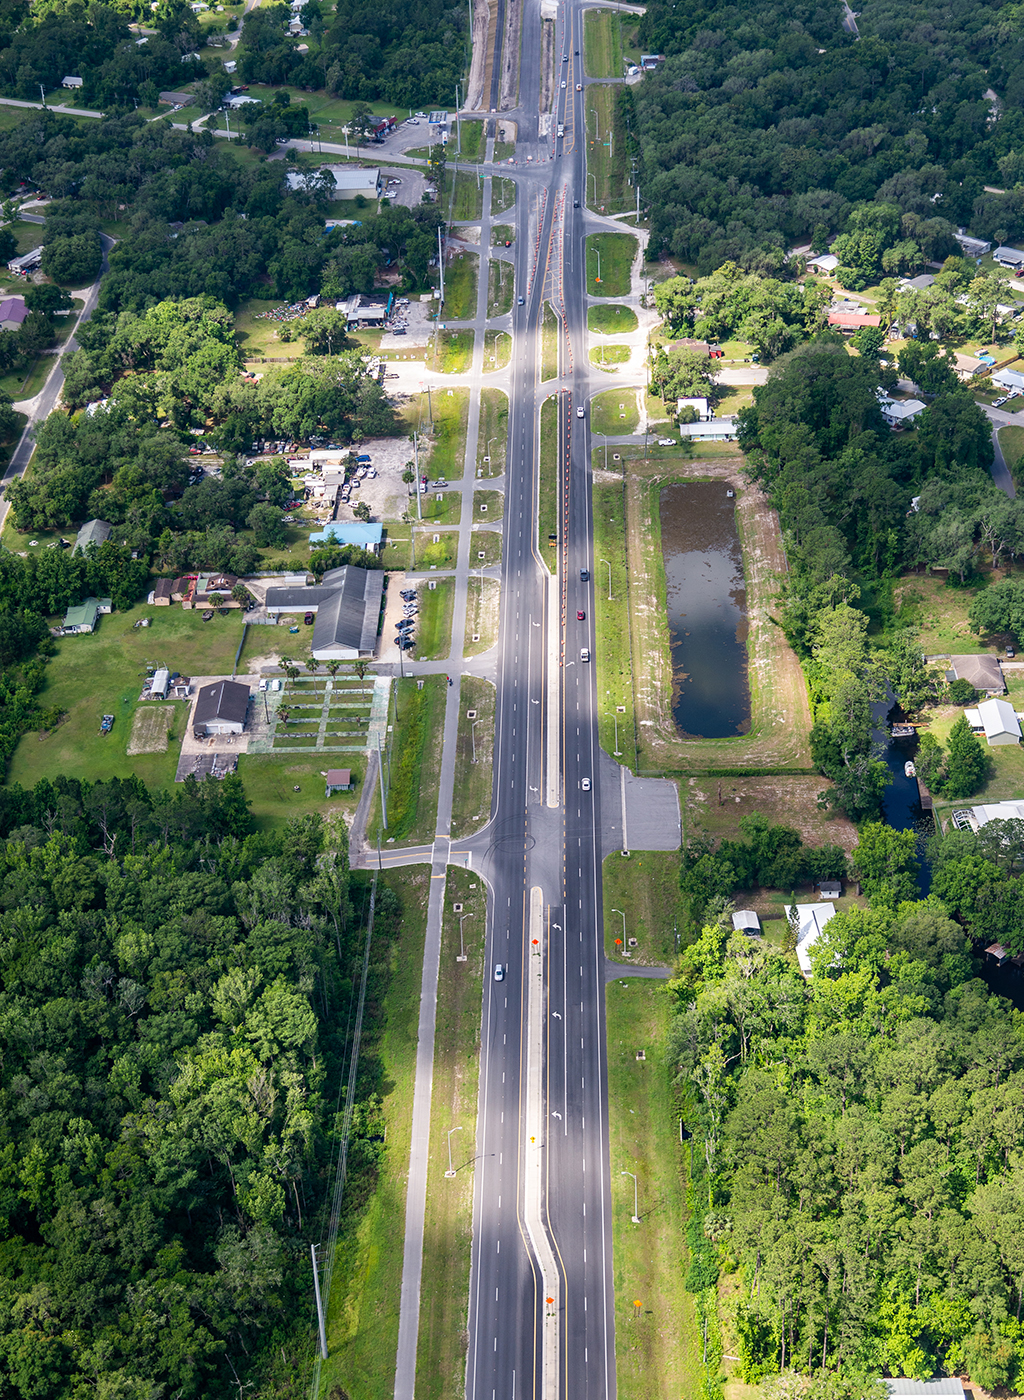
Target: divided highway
column 536, row 846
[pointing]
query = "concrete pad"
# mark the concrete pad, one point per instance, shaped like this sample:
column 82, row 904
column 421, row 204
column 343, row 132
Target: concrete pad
column 637, row 814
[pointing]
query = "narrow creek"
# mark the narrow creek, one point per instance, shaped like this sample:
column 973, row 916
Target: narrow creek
column 706, row 603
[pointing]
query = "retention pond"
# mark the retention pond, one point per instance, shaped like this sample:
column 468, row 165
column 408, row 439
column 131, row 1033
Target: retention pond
column 707, row 609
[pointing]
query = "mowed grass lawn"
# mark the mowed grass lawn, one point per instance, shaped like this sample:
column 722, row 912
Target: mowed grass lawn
column 102, row 674
column 614, row 412
column 613, row 254
column 611, row 320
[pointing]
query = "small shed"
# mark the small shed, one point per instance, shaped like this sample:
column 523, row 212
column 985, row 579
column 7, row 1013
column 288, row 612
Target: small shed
column 338, row 780
column 700, row 407
column 746, row 921
column 70, row 82
column 163, row 593
column 161, row 684
column 997, row 953
column 830, row 889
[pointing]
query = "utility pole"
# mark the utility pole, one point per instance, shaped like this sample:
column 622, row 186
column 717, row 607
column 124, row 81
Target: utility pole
column 440, row 261
column 416, row 457
column 458, row 125
column 319, row 1305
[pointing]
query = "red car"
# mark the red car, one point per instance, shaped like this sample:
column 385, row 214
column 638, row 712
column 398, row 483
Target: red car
column 580, row 615
column 308, row 619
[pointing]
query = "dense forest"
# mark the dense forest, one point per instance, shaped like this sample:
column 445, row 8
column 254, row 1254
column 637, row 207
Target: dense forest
column 762, row 130
column 174, row 994
column 858, row 1139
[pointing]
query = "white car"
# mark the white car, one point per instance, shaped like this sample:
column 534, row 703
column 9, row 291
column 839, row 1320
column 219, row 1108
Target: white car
column 581, row 412
column 585, row 654
column 499, row 973
column 585, row 784
column 563, row 82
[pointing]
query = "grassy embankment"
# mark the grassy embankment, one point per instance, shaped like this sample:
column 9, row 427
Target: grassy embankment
column 547, row 510
column 448, row 1226
column 657, row 1347
column 362, row 1317
column 492, row 440
column 1011, row 440
column 474, row 756
column 602, row 44
column 467, row 197
column 610, row 258
column 632, row 644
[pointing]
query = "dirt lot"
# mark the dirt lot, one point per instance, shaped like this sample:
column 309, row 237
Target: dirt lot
column 780, row 717
column 716, row 805
column 386, row 494
column 150, row 729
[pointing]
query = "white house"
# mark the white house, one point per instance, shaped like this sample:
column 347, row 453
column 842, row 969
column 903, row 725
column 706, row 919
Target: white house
column 899, row 412
column 1009, row 257
column 72, row 82
column 994, row 812
column 812, row 919
column 944, row 1388
column 241, row 99
column 717, row 430
column 997, row 720
column 699, row 406
column 1008, row 379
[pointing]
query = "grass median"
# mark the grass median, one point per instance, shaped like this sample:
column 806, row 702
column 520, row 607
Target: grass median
column 474, row 757
column 448, row 1224
column 501, row 279
column 547, row 507
column 645, row 887
column 366, row 1287
column 467, row 197
column 492, row 439
column 611, row 320
column 610, row 259
column 483, row 597
column 503, row 195
column 497, row 350
column 487, row 506
column 616, row 714
column 657, row 1348
column 452, row 353
column 460, row 284
column 614, row 413
column 417, row 741
column 607, row 158
column 549, row 344
column 434, row 623
column 602, row 44
column 609, row 356
column 485, row 549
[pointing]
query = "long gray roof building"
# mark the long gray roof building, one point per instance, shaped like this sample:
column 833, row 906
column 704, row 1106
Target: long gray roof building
column 346, row 607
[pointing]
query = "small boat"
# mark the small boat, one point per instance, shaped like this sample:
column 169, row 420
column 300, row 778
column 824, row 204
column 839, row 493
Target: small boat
column 902, row 731
column 909, row 769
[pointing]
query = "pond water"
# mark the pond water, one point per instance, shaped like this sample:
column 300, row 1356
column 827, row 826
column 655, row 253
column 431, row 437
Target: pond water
column 901, row 801
column 706, row 597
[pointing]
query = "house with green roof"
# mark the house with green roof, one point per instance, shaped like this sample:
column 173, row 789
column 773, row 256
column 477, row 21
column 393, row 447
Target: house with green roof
column 83, row 617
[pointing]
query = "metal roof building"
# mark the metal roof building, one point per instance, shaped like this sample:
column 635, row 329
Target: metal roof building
column 95, row 532
column 346, row 608
column 221, row 708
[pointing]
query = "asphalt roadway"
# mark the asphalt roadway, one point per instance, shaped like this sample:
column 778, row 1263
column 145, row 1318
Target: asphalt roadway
column 530, row 844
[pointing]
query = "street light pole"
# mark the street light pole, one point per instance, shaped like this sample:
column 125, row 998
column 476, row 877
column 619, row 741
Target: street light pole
column 618, row 753
column 451, row 1169
column 623, row 918
column 462, row 946
column 636, row 1212
column 597, row 123
column 605, row 561
column 472, row 732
